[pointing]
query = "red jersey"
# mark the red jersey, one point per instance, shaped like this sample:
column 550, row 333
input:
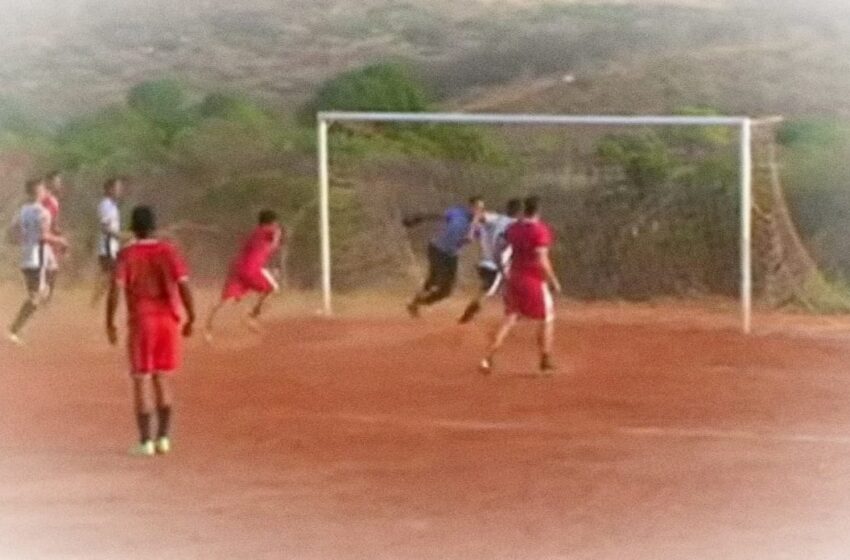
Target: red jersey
column 51, row 203
column 149, row 270
column 258, row 248
column 525, row 238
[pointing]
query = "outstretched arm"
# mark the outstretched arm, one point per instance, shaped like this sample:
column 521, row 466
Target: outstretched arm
column 412, row 220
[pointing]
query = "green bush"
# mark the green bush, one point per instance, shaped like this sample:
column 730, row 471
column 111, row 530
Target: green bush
column 115, row 138
column 162, row 102
column 377, row 87
column 644, row 159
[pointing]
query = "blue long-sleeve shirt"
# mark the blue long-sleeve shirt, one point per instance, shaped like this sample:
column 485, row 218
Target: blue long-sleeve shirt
column 454, row 233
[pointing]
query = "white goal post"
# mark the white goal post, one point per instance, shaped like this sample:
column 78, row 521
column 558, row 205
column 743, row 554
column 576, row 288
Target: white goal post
column 742, row 124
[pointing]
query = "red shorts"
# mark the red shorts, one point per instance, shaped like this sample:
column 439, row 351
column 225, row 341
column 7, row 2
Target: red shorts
column 154, row 344
column 239, row 284
column 530, row 298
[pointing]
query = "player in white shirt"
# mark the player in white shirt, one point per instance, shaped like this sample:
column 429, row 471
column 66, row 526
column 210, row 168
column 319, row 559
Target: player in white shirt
column 109, row 236
column 495, row 254
column 33, row 231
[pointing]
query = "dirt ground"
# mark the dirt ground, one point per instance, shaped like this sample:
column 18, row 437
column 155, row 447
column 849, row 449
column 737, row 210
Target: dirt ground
column 666, row 435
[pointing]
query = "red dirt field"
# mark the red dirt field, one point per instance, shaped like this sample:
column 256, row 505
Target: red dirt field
column 666, row 435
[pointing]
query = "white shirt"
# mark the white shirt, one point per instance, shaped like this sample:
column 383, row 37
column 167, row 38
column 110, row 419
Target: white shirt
column 491, row 236
column 35, row 254
column 109, row 218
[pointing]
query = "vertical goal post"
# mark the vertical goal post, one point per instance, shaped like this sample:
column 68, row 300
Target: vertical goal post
column 742, row 124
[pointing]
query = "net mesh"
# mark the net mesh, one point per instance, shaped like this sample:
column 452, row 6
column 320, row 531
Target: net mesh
column 639, row 213
column 783, row 268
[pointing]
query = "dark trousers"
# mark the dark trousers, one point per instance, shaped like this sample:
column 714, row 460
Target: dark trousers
column 442, row 275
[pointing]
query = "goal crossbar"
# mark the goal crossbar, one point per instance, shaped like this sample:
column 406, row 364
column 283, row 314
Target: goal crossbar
column 742, row 123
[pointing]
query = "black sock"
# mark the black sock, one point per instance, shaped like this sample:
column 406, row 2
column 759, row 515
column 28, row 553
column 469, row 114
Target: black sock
column 164, row 415
column 27, row 309
column 144, row 421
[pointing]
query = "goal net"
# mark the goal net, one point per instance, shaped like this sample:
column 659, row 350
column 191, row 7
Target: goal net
column 643, row 207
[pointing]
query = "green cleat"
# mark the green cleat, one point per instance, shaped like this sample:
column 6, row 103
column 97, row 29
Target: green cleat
column 163, row 446
column 144, row 449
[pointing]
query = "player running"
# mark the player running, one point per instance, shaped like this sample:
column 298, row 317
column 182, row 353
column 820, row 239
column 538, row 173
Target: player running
column 249, row 271
column 495, row 254
column 457, row 230
column 32, row 230
column 54, row 188
column 109, row 238
column 527, row 292
column 154, row 278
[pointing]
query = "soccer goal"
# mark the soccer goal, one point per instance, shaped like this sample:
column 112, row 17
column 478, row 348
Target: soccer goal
column 742, row 125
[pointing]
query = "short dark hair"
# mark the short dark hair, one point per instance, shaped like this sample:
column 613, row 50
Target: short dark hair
column 267, row 217
column 513, row 207
column 473, row 200
column 143, row 221
column 52, row 175
column 110, row 184
column 31, row 186
column 531, row 206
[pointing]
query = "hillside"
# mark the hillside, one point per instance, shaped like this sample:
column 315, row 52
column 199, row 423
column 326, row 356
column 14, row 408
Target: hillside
column 63, row 58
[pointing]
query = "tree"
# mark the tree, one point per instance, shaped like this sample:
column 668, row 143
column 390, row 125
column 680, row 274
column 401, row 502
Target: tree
column 234, row 109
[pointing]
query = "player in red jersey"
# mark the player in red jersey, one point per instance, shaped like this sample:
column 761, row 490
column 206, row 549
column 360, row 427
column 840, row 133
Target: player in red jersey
column 249, row 272
column 55, row 187
column 154, row 278
column 527, row 293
